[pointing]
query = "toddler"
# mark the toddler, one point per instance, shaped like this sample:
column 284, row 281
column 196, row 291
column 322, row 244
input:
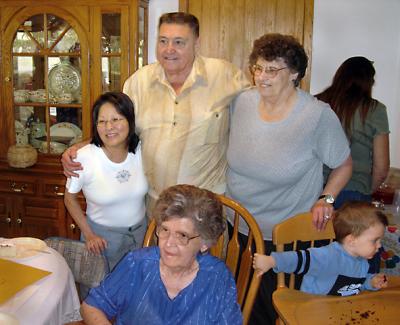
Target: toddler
column 340, row 268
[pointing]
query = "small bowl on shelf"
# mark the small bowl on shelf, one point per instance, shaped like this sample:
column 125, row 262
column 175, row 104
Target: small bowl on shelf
column 65, row 98
column 21, row 95
column 56, row 148
column 38, row 95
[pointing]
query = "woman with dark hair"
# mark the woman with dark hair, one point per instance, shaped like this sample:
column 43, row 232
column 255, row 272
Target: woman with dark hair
column 112, row 181
column 365, row 122
column 176, row 282
column 280, row 138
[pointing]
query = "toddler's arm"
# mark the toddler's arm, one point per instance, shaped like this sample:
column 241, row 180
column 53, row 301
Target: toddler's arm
column 263, row 263
column 379, row 281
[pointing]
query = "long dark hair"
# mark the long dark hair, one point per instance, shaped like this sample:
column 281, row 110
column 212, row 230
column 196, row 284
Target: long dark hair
column 351, row 89
column 124, row 106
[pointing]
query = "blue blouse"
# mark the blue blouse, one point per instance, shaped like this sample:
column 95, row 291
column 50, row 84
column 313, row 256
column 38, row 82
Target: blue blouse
column 134, row 293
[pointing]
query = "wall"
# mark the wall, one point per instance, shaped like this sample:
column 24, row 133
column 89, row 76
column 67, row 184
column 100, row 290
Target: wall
column 343, row 28
column 156, row 9
column 370, row 28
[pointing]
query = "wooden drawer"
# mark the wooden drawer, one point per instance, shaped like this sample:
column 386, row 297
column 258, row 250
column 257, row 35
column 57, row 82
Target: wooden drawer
column 53, row 189
column 18, row 186
column 40, row 208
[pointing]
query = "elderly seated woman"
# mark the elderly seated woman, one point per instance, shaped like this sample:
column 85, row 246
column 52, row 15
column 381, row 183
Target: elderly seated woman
column 177, row 282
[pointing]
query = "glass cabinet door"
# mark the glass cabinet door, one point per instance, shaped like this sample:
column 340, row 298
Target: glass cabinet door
column 142, row 33
column 47, row 90
column 111, row 51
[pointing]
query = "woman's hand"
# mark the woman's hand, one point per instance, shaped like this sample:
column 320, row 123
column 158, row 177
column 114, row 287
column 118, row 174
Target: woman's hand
column 322, row 212
column 262, row 263
column 69, row 165
column 95, row 244
column 379, row 281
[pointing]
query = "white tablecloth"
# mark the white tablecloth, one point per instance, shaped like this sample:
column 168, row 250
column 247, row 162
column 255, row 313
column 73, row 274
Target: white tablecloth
column 52, row 300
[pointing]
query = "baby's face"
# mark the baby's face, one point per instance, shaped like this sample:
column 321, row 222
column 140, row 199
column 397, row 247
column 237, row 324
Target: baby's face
column 369, row 242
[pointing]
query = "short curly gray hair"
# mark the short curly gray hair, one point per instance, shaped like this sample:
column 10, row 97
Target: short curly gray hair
column 277, row 46
column 199, row 205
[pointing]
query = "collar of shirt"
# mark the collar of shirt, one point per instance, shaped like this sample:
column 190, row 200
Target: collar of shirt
column 198, row 74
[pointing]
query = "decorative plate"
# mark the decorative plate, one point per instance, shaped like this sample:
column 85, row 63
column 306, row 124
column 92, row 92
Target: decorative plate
column 64, row 79
column 65, row 129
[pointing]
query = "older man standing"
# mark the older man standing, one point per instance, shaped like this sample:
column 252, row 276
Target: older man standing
column 181, row 110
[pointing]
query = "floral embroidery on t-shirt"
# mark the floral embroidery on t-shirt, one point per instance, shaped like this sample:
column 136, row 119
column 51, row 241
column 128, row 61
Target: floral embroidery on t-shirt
column 123, row 176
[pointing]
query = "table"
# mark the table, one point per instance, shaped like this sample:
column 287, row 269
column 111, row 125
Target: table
column 390, row 250
column 52, row 300
column 369, row 307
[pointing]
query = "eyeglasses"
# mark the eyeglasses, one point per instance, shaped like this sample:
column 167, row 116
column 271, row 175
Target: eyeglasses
column 178, row 42
column 113, row 122
column 181, row 238
column 272, row 72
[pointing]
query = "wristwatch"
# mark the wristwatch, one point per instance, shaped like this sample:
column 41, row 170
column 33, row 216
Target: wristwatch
column 328, row 198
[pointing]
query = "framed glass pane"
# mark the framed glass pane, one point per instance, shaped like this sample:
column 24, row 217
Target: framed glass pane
column 111, row 72
column 55, row 27
column 141, row 48
column 37, row 126
column 28, row 75
column 66, row 114
column 65, row 80
column 111, row 33
column 65, row 127
column 68, row 43
column 23, row 118
column 24, row 44
column 36, row 28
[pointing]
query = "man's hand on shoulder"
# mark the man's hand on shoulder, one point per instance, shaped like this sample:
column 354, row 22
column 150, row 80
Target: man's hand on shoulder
column 67, row 160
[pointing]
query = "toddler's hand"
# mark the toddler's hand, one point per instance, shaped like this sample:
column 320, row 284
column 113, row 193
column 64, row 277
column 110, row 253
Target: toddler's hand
column 262, row 263
column 379, row 281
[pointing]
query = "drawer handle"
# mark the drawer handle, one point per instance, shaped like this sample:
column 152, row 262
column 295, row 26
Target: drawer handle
column 16, row 189
column 8, row 220
column 19, row 220
column 72, row 226
column 56, row 192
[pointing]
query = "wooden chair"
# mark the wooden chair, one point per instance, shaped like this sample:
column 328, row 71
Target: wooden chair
column 240, row 264
column 292, row 231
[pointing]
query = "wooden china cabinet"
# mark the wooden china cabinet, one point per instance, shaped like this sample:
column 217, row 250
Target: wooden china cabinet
column 56, row 57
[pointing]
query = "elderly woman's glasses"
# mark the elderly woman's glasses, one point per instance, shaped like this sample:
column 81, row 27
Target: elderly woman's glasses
column 181, row 238
column 113, row 122
column 271, row 72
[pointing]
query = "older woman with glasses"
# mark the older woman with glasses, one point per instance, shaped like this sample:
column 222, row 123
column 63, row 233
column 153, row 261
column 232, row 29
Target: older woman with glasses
column 112, row 181
column 280, row 138
column 177, row 282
